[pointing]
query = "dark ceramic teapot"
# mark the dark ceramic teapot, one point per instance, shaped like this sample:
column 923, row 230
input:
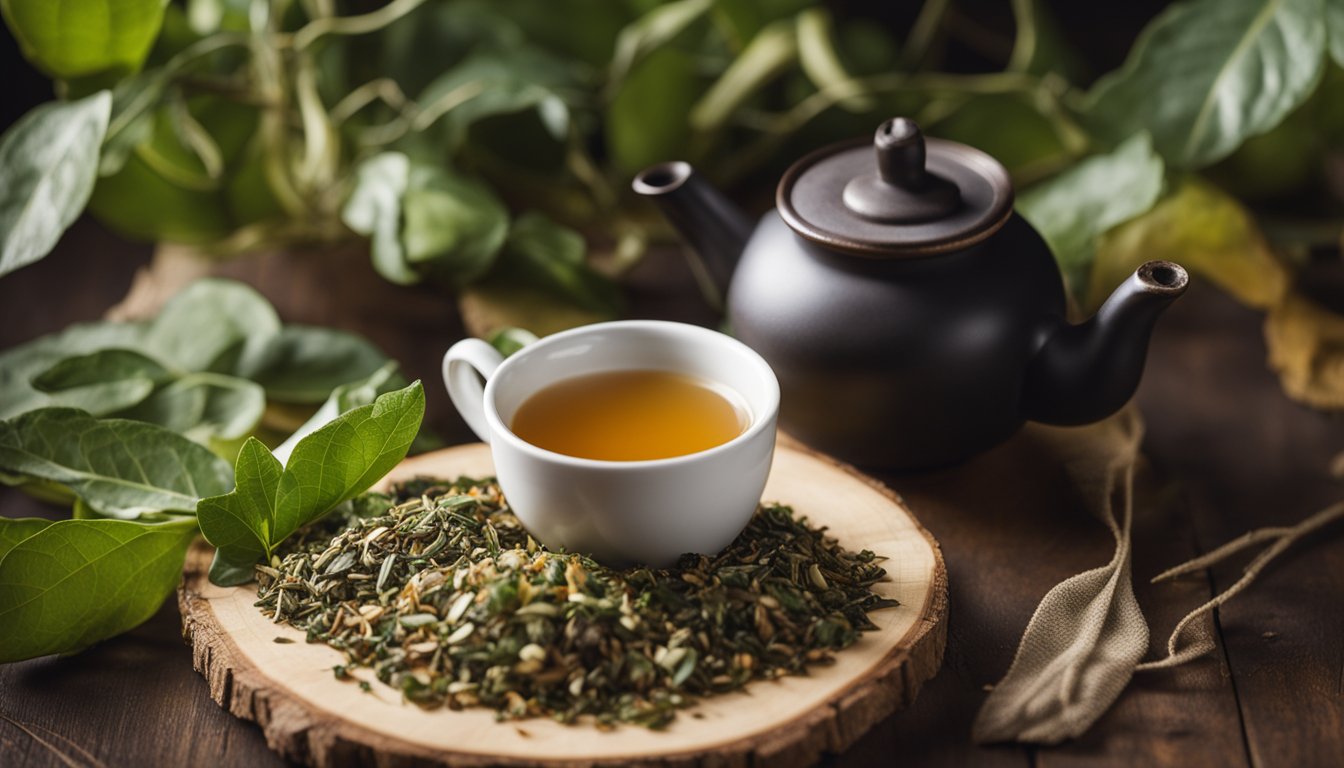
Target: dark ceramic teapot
column 912, row 317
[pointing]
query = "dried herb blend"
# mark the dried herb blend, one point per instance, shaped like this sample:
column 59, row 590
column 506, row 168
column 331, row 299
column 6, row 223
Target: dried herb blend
column 445, row 597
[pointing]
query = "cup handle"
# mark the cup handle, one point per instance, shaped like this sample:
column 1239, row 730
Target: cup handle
column 464, row 365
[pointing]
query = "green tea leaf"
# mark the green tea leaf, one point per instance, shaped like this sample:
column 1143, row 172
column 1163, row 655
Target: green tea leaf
column 204, row 407
column 20, row 365
column 646, row 121
column 76, row 582
column 344, row 458
column 213, row 325
column 49, row 161
column 303, row 364
column 452, row 226
column 240, row 522
column 344, row 398
column 329, row 466
column 70, row 38
column 1334, row 23
column 651, row 32
column 374, row 210
column 1070, row 210
column 118, row 467
column 15, row 530
column 1208, row 74
column 101, row 366
column 544, row 254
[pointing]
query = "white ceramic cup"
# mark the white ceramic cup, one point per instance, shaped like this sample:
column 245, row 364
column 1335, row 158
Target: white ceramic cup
column 621, row 512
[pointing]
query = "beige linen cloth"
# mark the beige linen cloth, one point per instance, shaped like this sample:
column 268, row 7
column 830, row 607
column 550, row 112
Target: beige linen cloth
column 1085, row 640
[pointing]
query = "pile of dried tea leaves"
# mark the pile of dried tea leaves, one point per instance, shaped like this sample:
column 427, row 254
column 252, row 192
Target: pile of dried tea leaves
column 441, row 592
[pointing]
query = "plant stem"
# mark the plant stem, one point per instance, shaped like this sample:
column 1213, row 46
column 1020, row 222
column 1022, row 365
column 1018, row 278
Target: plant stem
column 353, row 25
column 922, row 34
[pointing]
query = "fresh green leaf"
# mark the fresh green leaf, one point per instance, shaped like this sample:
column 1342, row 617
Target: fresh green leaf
column 76, row 582
column 204, row 407
column 303, row 364
column 651, row 32
column 769, row 54
column 119, row 467
column 134, row 102
column 49, row 161
column 1070, row 210
column 345, row 457
column 240, row 523
column 1334, row 23
column 374, row 210
column 1208, row 232
column 213, row 325
column 102, row 366
column 20, row 365
column 646, row 120
column 490, row 83
column 1208, row 74
column 15, row 530
column 344, row 398
column 70, row 38
column 329, row 466
column 452, row 226
column 544, row 254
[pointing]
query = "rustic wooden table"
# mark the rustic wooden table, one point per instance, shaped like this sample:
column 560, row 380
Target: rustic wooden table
column 1229, row 452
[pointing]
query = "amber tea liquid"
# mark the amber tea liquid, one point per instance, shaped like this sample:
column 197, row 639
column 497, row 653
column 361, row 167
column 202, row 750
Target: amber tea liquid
column 630, row 416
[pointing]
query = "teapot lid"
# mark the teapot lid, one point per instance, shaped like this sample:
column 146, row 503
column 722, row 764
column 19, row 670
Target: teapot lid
column 913, row 197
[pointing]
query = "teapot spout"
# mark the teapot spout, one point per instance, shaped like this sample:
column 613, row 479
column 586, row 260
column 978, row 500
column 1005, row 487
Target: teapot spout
column 1084, row 373
column 713, row 226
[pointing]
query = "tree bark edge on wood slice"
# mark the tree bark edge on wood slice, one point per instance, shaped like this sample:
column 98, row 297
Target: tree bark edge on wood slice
column 304, row 733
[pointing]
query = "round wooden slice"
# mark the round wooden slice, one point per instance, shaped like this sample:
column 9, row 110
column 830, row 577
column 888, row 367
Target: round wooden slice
column 311, row 717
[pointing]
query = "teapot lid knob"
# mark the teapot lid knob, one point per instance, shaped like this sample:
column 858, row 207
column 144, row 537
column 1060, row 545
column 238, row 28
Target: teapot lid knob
column 902, row 190
column 921, row 197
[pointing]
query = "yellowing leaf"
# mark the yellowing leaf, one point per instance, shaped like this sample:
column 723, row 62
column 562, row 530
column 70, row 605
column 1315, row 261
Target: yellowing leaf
column 1204, row 230
column 1306, row 349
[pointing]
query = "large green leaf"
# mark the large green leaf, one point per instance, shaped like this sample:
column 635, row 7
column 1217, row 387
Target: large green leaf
column 329, row 466
column 20, row 365
column 646, row 121
column 118, row 467
column 491, row 83
column 1208, row 74
column 452, row 226
column 49, row 161
column 374, row 210
column 1334, row 22
column 544, row 254
column 72, row 38
column 101, row 366
column 213, row 325
column 346, row 397
column 75, row 582
column 303, row 364
column 15, row 530
column 1070, row 210
column 204, row 407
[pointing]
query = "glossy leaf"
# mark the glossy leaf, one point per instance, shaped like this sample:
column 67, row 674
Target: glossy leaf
column 451, row 225
column 1208, row 74
column 374, row 210
column 205, row 407
column 71, row 38
column 76, row 582
column 118, row 467
column 329, row 466
column 344, row 398
column 102, row 366
column 20, row 365
column 49, row 161
column 1203, row 229
column 1334, row 23
column 544, row 254
column 213, row 325
column 1071, row 209
column 15, row 530
column 303, row 364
